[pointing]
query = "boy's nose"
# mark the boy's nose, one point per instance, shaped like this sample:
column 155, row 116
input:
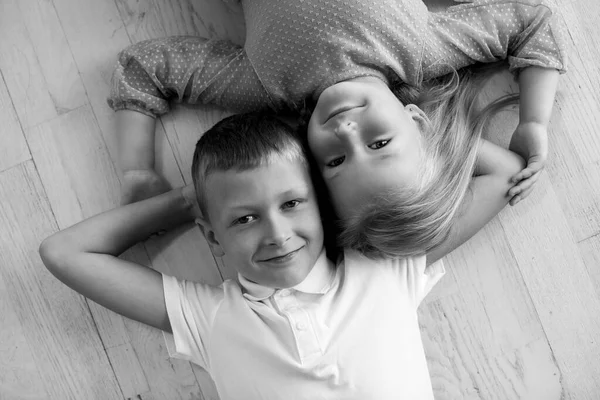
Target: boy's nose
column 279, row 232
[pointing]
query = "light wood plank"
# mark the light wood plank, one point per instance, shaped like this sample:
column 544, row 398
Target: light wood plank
column 580, row 97
column 56, row 321
column 13, row 147
column 475, row 335
column 80, row 181
column 463, row 365
column 131, row 377
column 575, row 146
column 21, row 70
column 590, row 251
column 19, row 375
column 559, row 285
column 486, row 271
column 168, row 378
column 74, row 165
column 95, row 33
column 54, row 55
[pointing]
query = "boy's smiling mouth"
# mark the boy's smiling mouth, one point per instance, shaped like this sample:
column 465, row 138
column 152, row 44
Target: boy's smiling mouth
column 282, row 259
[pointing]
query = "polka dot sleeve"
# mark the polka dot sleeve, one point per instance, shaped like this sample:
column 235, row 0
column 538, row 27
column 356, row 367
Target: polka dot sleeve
column 190, row 70
column 525, row 32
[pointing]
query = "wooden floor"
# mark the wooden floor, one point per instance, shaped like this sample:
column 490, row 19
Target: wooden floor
column 516, row 317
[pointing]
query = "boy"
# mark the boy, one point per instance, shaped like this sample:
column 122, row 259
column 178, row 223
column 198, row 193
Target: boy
column 296, row 325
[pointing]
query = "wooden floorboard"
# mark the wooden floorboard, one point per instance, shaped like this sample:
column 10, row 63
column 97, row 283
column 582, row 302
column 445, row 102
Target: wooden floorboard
column 516, row 316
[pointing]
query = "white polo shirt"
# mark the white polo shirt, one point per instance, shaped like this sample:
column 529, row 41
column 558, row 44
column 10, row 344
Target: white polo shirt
column 345, row 332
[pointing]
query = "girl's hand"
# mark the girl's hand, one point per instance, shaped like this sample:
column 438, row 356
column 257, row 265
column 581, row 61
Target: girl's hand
column 142, row 184
column 530, row 141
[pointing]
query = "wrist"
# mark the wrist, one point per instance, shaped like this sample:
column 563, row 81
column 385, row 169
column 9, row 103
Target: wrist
column 533, row 123
column 188, row 194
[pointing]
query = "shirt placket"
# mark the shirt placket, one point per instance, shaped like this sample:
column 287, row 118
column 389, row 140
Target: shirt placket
column 305, row 333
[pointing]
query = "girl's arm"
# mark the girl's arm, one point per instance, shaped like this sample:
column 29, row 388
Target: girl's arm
column 530, row 140
column 85, row 256
column 487, row 195
column 526, row 33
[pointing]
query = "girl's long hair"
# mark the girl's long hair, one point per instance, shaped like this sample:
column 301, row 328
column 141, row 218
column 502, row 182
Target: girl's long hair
column 414, row 220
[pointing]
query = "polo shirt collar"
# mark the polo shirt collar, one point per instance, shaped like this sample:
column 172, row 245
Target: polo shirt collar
column 318, row 281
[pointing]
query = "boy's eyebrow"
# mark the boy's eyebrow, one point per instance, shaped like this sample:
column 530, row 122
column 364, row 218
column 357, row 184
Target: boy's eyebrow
column 293, row 192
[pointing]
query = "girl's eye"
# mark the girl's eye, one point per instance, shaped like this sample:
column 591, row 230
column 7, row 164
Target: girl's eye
column 336, row 162
column 244, row 220
column 379, row 144
column 291, row 204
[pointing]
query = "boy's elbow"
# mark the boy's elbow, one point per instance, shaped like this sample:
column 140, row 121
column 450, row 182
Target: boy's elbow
column 52, row 253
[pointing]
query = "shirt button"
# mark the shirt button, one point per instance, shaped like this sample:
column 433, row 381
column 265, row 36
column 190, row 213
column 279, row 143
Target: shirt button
column 301, row 326
column 284, row 292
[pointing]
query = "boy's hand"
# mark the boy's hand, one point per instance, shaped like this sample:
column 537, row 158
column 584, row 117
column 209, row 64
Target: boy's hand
column 189, row 194
column 530, row 141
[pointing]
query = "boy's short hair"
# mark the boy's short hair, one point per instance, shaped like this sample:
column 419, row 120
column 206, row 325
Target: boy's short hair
column 243, row 142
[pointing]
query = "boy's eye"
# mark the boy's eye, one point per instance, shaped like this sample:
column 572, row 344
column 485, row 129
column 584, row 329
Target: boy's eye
column 336, row 162
column 379, row 144
column 244, row 220
column 291, row 204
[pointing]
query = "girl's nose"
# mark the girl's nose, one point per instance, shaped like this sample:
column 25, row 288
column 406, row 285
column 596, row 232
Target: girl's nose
column 345, row 129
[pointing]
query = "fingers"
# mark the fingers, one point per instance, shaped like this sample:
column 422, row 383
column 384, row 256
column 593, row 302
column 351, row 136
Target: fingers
column 523, row 189
column 532, row 168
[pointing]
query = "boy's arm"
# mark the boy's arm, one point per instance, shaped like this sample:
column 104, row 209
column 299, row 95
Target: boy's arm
column 488, row 194
column 530, row 140
column 85, row 256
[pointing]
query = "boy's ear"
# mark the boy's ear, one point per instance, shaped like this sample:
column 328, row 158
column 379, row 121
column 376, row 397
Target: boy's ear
column 209, row 234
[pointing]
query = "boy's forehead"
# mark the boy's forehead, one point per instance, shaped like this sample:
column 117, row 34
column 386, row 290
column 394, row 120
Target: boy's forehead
column 268, row 180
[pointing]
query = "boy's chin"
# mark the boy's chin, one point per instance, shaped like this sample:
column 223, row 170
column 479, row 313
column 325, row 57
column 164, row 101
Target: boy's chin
column 288, row 282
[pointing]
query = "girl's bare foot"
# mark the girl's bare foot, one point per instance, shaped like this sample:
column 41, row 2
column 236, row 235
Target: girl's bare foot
column 142, row 184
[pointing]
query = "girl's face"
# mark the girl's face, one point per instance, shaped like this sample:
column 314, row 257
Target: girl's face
column 365, row 141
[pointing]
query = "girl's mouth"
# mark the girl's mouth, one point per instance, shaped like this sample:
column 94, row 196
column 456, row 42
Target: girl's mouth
column 339, row 111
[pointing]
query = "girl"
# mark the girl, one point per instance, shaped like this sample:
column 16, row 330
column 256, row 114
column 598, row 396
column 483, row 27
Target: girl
column 396, row 147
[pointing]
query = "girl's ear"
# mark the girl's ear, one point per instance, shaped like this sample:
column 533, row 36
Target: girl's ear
column 419, row 117
column 210, row 236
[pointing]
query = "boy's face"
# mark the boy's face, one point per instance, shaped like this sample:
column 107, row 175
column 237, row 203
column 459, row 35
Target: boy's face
column 266, row 220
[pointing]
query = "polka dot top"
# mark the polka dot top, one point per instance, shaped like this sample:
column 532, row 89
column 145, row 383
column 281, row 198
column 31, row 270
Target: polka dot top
column 296, row 48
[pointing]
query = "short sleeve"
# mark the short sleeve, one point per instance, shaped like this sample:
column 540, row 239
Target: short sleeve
column 411, row 275
column 418, row 276
column 191, row 307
